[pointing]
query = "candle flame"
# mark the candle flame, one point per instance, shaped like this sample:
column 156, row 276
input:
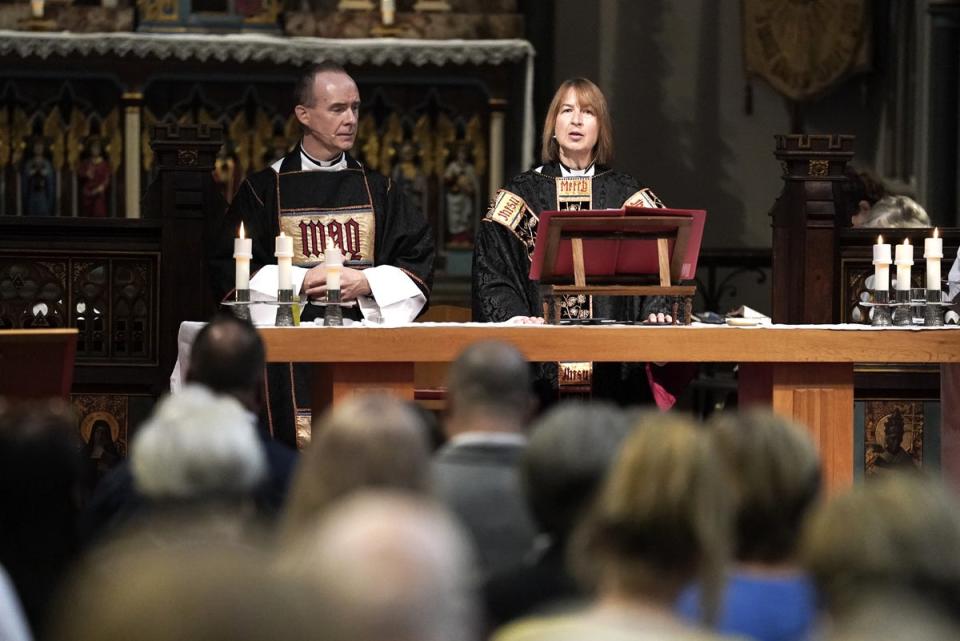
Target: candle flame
column 241, row 230
column 880, row 239
column 906, row 241
column 282, row 235
column 935, row 232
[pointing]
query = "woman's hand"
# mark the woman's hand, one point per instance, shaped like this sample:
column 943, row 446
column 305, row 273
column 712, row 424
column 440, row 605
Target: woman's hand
column 525, row 320
column 659, row 318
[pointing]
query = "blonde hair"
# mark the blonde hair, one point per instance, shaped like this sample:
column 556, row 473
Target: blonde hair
column 588, row 95
column 663, row 518
column 901, row 531
column 367, row 441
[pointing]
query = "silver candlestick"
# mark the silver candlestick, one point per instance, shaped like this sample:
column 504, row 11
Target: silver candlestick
column 242, row 309
column 332, row 313
column 284, row 311
column 932, row 311
column 881, row 309
column 902, row 316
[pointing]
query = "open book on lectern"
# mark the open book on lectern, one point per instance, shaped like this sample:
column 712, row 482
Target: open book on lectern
column 619, row 245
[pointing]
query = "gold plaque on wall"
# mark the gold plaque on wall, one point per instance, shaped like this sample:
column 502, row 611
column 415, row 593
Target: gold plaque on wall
column 804, row 48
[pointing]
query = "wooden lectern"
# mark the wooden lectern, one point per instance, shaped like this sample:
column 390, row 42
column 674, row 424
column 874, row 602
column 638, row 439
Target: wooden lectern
column 37, row 363
column 622, row 252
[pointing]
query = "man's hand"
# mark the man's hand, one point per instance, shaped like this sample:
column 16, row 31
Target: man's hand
column 525, row 320
column 352, row 283
column 659, row 319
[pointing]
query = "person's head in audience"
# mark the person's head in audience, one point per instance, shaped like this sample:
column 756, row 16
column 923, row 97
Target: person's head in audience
column 892, row 211
column 488, row 389
column 197, row 447
column 366, row 441
column 133, row 589
column 891, row 615
column 662, row 520
column 228, row 357
column 41, row 474
column 570, row 450
column 861, row 191
column 896, row 532
column 393, row 565
column 775, row 471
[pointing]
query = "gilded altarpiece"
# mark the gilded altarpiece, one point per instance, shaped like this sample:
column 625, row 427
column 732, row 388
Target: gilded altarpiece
column 62, row 147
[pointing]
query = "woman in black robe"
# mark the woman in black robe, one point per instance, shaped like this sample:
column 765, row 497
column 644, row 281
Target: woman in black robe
column 575, row 175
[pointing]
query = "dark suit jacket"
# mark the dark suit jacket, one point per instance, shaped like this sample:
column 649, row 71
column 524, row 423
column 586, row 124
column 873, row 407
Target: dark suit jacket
column 479, row 482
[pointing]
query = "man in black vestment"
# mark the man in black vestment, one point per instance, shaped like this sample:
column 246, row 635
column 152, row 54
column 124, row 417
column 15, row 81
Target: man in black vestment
column 322, row 197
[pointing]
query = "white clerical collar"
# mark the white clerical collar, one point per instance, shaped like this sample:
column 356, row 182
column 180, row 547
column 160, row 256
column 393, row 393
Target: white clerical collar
column 566, row 171
column 488, row 438
column 309, row 163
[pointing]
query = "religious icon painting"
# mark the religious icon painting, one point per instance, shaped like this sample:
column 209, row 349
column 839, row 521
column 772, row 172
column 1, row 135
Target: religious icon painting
column 304, row 423
column 103, row 429
column 893, row 435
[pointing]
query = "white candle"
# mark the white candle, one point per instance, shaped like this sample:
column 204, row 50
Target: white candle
column 333, row 262
column 388, row 11
column 36, row 8
column 881, row 265
column 284, row 254
column 242, row 253
column 903, row 261
column 933, row 252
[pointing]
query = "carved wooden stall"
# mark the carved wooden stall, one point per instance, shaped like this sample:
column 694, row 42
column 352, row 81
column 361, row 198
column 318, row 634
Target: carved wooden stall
column 126, row 285
column 820, row 268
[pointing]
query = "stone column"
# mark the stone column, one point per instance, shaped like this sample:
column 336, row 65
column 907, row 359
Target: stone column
column 132, row 103
column 497, row 118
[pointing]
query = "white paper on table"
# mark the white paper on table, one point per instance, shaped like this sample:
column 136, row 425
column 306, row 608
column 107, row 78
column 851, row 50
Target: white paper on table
column 747, row 312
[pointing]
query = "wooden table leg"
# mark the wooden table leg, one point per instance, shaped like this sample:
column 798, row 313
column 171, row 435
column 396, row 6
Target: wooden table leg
column 819, row 396
column 333, row 382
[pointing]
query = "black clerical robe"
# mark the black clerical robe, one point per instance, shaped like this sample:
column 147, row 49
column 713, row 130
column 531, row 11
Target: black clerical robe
column 503, row 289
column 360, row 211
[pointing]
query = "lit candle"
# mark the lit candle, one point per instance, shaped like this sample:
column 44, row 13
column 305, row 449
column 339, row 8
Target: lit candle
column 881, row 265
column 388, row 11
column 242, row 253
column 904, row 261
column 933, row 252
column 333, row 261
column 36, row 8
column 284, row 254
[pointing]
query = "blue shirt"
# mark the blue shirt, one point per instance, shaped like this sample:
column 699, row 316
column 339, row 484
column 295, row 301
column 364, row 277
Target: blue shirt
column 761, row 607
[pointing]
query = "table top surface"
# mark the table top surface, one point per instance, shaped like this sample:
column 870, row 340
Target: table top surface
column 442, row 342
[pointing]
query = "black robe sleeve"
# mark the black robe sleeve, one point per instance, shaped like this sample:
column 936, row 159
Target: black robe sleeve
column 405, row 240
column 502, row 288
column 254, row 206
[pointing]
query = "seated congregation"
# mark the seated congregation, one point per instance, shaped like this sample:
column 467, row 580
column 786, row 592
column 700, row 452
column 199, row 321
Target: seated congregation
column 585, row 521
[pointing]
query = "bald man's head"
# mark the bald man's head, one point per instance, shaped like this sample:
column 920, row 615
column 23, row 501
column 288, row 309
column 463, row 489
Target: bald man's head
column 228, row 357
column 493, row 378
column 394, row 566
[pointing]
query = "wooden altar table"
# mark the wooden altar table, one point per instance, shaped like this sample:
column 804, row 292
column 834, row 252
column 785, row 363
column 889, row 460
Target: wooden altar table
column 803, row 372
